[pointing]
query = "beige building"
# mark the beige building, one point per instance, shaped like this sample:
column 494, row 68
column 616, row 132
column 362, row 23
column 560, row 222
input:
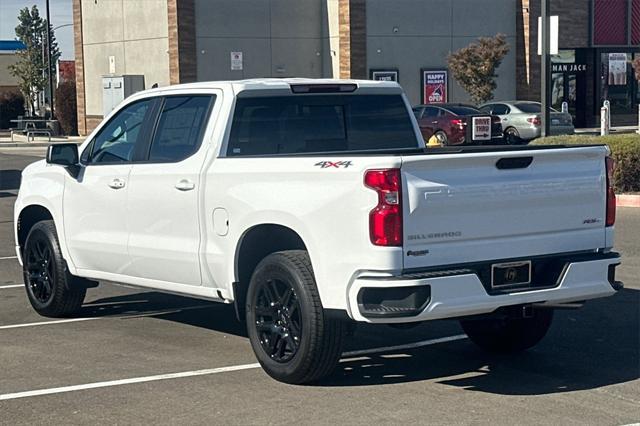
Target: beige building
column 8, row 57
column 178, row 41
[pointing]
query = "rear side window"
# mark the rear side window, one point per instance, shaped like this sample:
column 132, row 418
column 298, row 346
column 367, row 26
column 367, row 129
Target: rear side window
column 180, row 127
column 463, row 110
column 320, row 123
column 500, row 109
column 529, row 107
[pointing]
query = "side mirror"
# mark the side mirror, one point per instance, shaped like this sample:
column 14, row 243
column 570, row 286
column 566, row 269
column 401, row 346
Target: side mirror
column 66, row 155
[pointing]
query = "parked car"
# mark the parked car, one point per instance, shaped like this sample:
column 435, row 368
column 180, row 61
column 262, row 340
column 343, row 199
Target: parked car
column 451, row 124
column 313, row 205
column 521, row 120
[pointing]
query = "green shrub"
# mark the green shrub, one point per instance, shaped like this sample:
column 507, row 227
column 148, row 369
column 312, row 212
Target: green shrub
column 625, row 150
column 66, row 112
column 11, row 106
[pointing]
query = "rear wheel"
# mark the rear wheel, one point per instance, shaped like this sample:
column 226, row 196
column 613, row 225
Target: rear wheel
column 49, row 285
column 292, row 339
column 512, row 136
column 509, row 335
column 442, row 137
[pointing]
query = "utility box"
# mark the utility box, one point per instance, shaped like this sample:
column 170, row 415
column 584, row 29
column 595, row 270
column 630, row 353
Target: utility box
column 115, row 88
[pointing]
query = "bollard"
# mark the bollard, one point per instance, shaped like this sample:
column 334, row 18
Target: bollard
column 565, row 107
column 604, row 121
column 607, row 105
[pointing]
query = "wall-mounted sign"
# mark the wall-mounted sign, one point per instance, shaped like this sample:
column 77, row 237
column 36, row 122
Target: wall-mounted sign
column 617, row 69
column 568, row 67
column 236, row 61
column 384, row 75
column 434, row 86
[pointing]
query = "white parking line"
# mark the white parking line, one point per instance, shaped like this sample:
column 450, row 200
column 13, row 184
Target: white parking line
column 8, row 257
column 127, row 381
column 11, row 286
column 146, row 314
column 206, row 372
column 406, row 346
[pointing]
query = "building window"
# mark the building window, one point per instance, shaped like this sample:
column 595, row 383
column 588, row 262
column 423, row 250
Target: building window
column 617, row 81
column 610, row 22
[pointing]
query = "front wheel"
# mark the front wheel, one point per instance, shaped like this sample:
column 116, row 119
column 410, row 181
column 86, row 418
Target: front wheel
column 292, row 339
column 509, row 335
column 50, row 287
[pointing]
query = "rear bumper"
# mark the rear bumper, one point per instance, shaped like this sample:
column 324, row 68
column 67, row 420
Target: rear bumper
column 458, row 293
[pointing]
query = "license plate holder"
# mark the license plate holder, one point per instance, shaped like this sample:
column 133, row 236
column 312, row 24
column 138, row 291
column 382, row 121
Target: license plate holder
column 511, row 274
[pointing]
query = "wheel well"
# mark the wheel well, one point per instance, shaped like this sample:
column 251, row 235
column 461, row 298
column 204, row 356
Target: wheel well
column 29, row 216
column 257, row 243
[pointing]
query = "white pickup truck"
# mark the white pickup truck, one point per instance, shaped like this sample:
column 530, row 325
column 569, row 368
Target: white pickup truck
column 313, row 205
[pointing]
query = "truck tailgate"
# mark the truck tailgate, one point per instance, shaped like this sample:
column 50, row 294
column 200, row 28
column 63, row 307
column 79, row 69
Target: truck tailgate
column 468, row 207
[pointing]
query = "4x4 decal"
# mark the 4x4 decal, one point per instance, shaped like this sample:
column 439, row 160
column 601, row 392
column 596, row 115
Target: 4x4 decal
column 336, row 164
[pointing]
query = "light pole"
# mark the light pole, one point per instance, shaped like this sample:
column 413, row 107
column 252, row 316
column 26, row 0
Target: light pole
column 49, row 31
column 544, row 80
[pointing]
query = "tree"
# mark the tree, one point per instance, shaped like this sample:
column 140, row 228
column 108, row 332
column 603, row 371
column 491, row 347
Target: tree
column 66, row 107
column 636, row 67
column 474, row 66
column 31, row 66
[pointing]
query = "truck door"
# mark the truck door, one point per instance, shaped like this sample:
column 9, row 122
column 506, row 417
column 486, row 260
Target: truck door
column 95, row 203
column 163, row 204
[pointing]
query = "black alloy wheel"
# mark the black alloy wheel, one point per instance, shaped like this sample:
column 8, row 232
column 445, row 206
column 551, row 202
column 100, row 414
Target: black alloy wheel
column 51, row 289
column 290, row 333
column 278, row 320
column 40, row 269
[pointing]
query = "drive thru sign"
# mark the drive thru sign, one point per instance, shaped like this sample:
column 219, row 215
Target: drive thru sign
column 481, row 130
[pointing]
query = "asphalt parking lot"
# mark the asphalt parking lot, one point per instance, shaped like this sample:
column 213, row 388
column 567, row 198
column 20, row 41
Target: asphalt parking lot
column 134, row 356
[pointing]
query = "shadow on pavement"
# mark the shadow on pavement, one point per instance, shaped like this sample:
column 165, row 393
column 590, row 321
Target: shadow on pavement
column 598, row 345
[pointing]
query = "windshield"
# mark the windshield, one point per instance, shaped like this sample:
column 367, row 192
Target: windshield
column 463, row 110
column 300, row 124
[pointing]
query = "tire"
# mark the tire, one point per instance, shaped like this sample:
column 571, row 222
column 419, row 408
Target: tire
column 288, row 331
column 512, row 136
column 442, row 137
column 51, row 289
column 509, row 335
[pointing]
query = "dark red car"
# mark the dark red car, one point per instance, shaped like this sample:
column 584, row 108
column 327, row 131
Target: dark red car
column 453, row 124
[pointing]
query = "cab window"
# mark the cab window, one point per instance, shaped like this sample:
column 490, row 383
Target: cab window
column 116, row 142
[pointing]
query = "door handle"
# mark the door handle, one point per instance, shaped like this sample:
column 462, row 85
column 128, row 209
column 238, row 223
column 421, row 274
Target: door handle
column 434, row 122
column 116, row 183
column 185, row 185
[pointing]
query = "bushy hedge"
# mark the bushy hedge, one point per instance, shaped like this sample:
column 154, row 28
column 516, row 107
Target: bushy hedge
column 66, row 107
column 625, row 149
column 11, row 106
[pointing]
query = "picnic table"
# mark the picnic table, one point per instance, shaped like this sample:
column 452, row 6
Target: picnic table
column 32, row 126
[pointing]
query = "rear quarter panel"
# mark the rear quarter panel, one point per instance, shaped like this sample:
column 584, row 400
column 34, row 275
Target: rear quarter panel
column 327, row 206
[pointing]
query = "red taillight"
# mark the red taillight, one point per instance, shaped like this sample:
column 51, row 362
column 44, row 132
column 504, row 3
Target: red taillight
column 611, row 195
column 459, row 123
column 385, row 220
column 536, row 121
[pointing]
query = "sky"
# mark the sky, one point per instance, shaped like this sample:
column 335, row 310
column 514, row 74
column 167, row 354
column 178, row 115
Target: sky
column 61, row 13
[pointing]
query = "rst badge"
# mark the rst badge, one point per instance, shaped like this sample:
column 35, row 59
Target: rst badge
column 331, row 164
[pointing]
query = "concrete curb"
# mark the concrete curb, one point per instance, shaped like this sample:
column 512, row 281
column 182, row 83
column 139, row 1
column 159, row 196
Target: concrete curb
column 628, row 200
